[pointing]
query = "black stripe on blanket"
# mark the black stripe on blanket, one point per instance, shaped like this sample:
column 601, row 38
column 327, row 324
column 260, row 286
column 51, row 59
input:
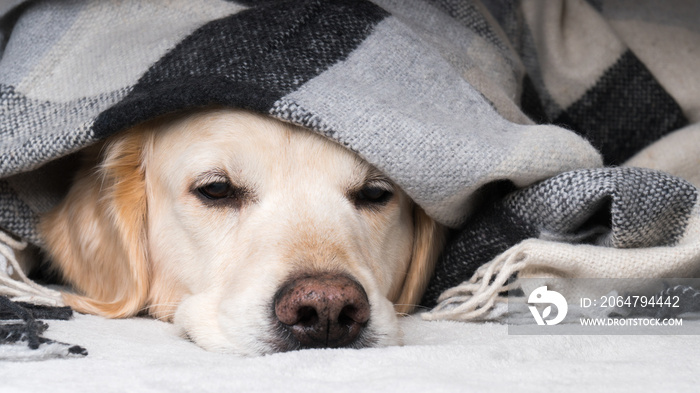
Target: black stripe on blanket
column 624, row 112
column 277, row 49
column 487, row 235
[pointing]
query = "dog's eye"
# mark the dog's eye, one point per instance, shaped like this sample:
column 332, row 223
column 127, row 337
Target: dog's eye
column 217, row 190
column 372, row 195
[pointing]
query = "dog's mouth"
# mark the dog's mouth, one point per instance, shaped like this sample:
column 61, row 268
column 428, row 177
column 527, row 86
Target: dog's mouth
column 325, row 310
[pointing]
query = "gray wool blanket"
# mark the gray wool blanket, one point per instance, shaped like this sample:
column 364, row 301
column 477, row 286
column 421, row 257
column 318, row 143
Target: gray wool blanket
column 522, row 125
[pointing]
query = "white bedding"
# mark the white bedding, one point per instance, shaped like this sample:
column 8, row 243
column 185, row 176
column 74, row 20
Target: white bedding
column 144, row 355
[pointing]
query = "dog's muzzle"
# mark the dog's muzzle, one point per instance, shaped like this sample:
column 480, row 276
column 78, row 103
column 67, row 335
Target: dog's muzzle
column 321, row 311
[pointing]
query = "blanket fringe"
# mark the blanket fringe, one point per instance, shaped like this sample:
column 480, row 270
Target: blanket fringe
column 22, row 289
column 477, row 298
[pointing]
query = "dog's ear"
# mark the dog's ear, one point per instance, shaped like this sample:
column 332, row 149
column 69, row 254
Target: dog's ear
column 428, row 239
column 96, row 237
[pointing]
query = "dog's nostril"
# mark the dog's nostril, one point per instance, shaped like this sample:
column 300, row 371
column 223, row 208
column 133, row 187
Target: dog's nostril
column 349, row 315
column 307, row 316
column 325, row 310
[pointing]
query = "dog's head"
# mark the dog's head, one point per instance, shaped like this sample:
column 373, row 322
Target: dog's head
column 252, row 235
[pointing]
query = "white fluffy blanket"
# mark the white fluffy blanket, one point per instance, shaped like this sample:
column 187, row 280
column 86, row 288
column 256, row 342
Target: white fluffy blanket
column 144, row 355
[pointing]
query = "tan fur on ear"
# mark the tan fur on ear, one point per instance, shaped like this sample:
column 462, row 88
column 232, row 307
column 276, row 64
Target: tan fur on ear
column 428, row 239
column 97, row 236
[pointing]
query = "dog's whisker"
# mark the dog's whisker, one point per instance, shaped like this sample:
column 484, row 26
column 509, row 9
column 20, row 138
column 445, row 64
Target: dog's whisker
column 168, row 304
column 165, row 318
column 148, row 308
column 412, row 305
column 162, row 304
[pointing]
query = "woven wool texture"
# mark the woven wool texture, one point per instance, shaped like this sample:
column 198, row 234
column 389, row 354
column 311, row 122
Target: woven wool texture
column 496, row 117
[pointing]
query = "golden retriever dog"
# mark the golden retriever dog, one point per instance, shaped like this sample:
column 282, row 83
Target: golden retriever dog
column 251, row 235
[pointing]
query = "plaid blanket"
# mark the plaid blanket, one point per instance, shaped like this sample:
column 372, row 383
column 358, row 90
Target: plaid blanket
column 515, row 123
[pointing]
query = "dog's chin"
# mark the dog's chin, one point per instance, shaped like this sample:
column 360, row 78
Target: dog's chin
column 219, row 326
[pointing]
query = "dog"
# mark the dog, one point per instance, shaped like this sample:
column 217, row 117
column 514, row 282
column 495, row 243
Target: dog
column 251, row 235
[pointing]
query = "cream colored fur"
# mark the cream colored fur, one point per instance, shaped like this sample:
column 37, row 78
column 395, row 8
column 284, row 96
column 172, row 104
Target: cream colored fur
column 133, row 235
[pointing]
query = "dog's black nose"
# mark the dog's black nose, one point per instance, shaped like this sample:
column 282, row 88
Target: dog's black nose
column 322, row 311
